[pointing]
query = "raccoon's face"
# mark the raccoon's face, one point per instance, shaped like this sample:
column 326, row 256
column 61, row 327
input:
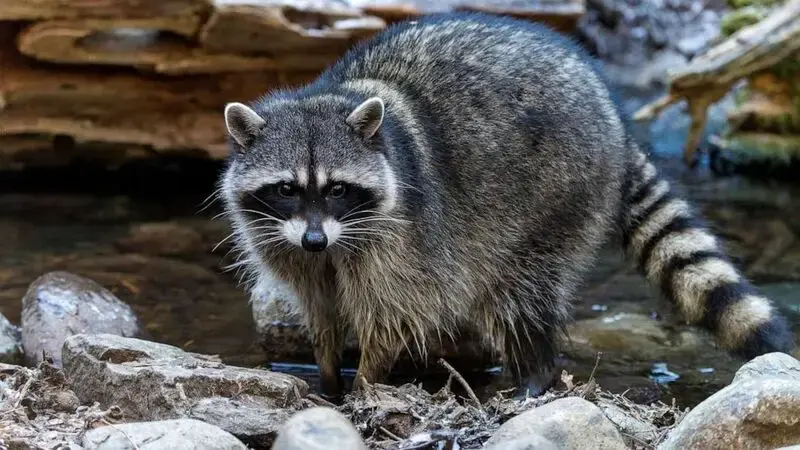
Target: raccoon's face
column 309, row 175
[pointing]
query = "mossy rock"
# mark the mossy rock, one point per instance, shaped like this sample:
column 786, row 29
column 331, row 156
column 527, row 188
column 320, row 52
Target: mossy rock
column 760, row 155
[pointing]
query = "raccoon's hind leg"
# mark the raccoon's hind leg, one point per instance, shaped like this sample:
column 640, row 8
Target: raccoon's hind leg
column 677, row 254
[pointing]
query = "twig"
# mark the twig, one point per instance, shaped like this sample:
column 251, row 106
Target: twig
column 24, row 390
column 463, row 382
column 596, row 363
column 390, row 434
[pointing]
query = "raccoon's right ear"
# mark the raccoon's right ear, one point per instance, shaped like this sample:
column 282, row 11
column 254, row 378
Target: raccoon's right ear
column 367, row 117
column 243, row 123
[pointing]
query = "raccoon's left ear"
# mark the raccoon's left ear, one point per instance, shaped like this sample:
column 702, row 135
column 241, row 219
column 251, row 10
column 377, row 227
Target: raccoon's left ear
column 367, row 117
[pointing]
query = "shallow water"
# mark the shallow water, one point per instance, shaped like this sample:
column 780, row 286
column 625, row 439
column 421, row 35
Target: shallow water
column 81, row 220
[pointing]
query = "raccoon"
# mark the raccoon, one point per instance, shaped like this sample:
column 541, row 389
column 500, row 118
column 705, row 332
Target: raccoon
column 463, row 170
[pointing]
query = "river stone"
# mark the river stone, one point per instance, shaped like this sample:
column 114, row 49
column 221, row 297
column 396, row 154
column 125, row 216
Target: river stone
column 152, row 381
column 10, row 342
column 752, row 413
column 253, row 420
column 318, row 428
column 185, row 434
column 569, row 423
column 61, row 304
column 775, row 364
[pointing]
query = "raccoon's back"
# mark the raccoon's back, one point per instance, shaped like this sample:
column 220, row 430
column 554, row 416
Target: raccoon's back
column 501, row 101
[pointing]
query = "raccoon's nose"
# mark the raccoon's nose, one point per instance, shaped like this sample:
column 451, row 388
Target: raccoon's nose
column 314, row 241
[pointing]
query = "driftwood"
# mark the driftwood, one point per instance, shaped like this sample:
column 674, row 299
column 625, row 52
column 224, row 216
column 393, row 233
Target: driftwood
column 278, row 28
column 747, row 54
column 98, row 41
column 67, row 79
column 60, row 9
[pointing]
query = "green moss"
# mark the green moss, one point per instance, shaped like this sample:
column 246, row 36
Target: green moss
column 736, row 20
column 738, row 4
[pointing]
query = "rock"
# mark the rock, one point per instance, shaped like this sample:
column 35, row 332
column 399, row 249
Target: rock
column 10, row 342
column 61, row 304
column 778, row 365
column 151, row 381
column 318, row 428
column 186, row 434
column 162, row 239
column 527, row 442
column 253, row 420
column 569, row 423
column 759, row 412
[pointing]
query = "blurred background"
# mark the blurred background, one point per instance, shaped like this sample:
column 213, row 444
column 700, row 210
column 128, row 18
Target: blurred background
column 112, row 139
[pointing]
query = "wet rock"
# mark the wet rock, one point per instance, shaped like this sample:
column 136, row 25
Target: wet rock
column 61, row 304
column 528, row 442
column 762, row 412
column 569, row 423
column 186, row 434
column 779, row 365
column 151, row 381
column 253, row 420
column 10, row 342
column 162, row 239
column 318, row 428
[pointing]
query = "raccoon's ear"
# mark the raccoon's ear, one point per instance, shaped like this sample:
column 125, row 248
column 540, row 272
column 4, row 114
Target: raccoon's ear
column 367, row 117
column 243, row 123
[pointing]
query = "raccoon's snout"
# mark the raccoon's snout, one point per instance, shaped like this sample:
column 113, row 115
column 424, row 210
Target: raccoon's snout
column 314, row 241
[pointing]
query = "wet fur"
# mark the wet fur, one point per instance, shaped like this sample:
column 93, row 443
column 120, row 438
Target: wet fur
column 511, row 166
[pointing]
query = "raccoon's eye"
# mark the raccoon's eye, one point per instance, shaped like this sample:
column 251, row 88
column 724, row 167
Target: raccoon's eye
column 286, row 190
column 337, row 190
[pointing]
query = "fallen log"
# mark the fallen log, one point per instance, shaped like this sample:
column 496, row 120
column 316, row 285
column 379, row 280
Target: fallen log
column 153, row 45
column 281, row 27
column 746, row 54
column 61, row 9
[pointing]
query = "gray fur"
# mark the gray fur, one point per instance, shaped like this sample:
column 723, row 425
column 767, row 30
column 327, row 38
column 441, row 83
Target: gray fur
column 500, row 166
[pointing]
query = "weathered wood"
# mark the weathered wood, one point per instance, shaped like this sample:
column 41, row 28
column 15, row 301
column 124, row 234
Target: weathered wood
column 709, row 76
column 120, row 107
column 111, row 42
column 64, row 9
column 276, row 27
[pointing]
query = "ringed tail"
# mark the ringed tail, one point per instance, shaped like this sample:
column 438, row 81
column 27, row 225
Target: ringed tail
column 679, row 256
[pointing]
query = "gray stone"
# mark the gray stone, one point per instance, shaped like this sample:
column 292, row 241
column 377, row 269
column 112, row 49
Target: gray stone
column 569, row 423
column 10, row 342
column 779, row 365
column 61, row 304
column 186, row 434
column 152, row 381
column 751, row 413
column 318, row 428
column 528, row 442
column 253, row 420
